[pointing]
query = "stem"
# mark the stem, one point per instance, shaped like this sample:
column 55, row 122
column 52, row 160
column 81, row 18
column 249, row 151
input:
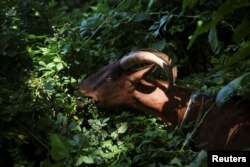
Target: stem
column 175, row 15
column 32, row 134
column 189, row 137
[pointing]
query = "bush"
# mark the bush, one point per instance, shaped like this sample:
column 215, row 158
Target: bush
column 50, row 46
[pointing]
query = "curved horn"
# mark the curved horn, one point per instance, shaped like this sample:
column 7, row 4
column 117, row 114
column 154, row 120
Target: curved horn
column 153, row 57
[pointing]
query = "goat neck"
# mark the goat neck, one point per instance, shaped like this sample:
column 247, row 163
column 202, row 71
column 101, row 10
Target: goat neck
column 150, row 97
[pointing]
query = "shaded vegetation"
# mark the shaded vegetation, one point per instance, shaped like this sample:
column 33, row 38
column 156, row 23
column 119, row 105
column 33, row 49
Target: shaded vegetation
column 48, row 46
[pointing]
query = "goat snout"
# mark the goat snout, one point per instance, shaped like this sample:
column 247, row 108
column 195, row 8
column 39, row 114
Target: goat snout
column 84, row 101
column 79, row 103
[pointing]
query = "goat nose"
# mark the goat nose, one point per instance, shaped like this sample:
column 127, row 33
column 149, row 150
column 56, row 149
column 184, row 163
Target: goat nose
column 89, row 97
column 80, row 102
column 79, row 91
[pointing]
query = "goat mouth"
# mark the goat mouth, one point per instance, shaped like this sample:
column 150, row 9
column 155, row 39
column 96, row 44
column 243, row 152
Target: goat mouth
column 84, row 103
column 79, row 103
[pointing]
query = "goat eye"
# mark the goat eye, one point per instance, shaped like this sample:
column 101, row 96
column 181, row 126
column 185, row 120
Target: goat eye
column 108, row 78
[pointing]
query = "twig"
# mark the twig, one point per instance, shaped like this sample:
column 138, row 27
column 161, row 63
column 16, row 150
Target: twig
column 175, row 15
column 189, row 137
column 32, row 134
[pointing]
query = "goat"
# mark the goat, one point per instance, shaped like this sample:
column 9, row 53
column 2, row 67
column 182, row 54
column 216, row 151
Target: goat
column 224, row 127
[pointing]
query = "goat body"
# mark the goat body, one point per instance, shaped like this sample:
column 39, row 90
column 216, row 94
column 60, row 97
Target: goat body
column 224, row 127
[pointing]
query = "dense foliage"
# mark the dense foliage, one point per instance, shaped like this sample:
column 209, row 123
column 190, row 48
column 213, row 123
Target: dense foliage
column 48, row 46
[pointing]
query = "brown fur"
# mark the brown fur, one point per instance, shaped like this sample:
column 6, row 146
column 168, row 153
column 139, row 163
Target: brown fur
column 226, row 127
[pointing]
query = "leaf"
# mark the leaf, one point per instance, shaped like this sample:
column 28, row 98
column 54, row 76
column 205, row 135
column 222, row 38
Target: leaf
column 160, row 45
column 105, row 120
column 239, row 55
column 123, row 128
column 84, row 159
column 59, row 66
column 229, row 6
column 188, row 3
column 57, row 59
column 200, row 160
column 42, row 63
column 241, row 31
column 224, row 9
column 160, row 25
column 60, row 147
column 201, row 29
column 164, row 20
column 139, row 17
column 50, row 65
column 213, row 40
column 227, row 91
column 124, row 5
column 114, row 134
column 176, row 161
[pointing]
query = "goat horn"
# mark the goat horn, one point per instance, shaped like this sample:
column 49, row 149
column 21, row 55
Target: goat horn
column 154, row 57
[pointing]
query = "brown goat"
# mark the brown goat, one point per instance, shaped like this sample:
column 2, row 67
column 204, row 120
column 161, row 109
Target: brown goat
column 224, row 127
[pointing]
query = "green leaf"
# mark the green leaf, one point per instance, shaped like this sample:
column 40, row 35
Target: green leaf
column 200, row 160
column 60, row 147
column 57, row 59
column 84, row 159
column 160, row 45
column 213, row 40
column 59, row 66
column 176, row 161
column 201, row 29
column 224, row 9
column 141, row 16
column 229, row 6
column 42, row 63
column 123, row 128
column 50, row 65
column 242, row 53
column 188, row 4
column 241, row 31
column 114, row 134
column 124, row 5
column 227, row 91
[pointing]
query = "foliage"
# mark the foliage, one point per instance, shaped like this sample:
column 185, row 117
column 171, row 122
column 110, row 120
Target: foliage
column 50, row 46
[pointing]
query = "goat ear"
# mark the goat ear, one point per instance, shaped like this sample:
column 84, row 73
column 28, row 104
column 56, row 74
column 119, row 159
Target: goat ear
column 141, row 73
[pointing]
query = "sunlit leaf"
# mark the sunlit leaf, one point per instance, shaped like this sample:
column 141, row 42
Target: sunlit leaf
column 59, row 66
column 84, row 159
column 42, row 63
column 175, row 161
column 123, row 128
column 57, row 59
column 50, row 65
column 114, row 135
